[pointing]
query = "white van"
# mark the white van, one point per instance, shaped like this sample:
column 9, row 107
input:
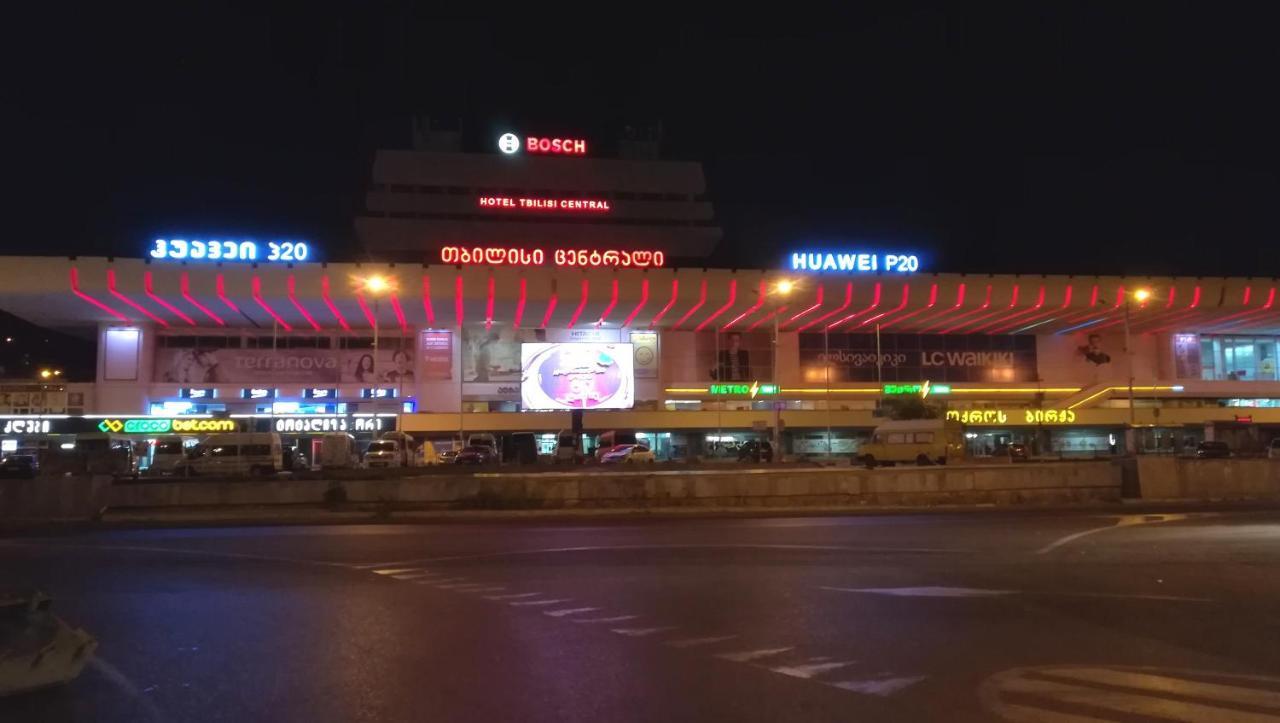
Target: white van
column 168, row 455
column 338, row 450
column 241, row 453
column 919, row 441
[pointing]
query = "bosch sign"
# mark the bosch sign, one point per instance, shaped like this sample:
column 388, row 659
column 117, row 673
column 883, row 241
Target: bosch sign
column 510, row 143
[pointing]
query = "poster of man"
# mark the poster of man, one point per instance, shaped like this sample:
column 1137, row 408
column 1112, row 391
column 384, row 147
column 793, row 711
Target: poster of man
column 735, row 357
column 1092, row 351
column 490, row 355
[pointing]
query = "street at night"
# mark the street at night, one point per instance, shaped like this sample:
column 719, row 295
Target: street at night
column 1082, row 615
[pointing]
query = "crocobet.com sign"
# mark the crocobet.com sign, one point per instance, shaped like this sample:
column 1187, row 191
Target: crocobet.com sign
column 160, row 425
column 320, row 424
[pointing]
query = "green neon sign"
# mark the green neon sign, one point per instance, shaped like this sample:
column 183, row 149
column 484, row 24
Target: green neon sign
column 752, row 390
column 924, row 390
column 136, row 426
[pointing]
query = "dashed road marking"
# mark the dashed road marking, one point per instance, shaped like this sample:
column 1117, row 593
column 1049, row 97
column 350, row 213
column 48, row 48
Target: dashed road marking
column 469, row 587
column 883, row 687
column 926, row 591
column 567, row 611
column 747, row 656
column 695, row 642
column 494, row 588
column 809, row 670
column 640, row 632
column 513, row 596
column 615, row 619
column 398, row 570
column 538, row 602
column 415, row 575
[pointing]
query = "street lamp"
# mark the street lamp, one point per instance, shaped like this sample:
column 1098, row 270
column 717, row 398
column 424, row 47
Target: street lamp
column 376, row 285
column 1141, row 295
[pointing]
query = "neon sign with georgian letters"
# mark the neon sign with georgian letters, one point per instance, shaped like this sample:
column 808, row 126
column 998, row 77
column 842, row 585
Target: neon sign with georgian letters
column 178, row 249
column 570, row 205
column 580, row 258
column 854, row 262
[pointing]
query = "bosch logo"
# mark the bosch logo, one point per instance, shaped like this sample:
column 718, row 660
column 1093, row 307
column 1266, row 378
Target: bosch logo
column 509, row 143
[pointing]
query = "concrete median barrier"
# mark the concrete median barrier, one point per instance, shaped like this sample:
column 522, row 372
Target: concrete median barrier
column 1180, row 478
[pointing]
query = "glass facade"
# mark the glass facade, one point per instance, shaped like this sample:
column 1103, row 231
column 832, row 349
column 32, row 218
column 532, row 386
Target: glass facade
column 1247, row 358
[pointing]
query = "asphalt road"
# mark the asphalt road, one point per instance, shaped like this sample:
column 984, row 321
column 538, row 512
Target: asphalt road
column 1063, row 617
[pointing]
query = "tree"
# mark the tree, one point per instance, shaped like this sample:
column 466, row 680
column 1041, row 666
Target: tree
column 909, row 407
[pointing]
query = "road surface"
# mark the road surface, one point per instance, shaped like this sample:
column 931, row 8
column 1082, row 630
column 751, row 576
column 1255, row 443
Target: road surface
column 1055, row 616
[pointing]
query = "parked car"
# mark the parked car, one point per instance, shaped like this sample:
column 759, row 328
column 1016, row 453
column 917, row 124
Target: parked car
column 755, row 451
column 629, row 454
column 448, row 456
column 1213, row 450
column 386, row 453
column 24, row 466
column 1016, row 452
column 1273, row 449
column 567, row 451
column 476, row 455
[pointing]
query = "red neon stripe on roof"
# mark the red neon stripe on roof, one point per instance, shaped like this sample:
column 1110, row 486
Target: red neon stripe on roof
column 75, row 289
column 986, row 302
column 551, row 307
column 294, row 299
column 766, row 317
column 702, row 299
column 459, row 308
column 644, row 299
column 333, row 309
column 219, row 284
column 848, row 299
column 582, row 304
column 613, row 301
column 933, row 299
column 151, row 294
column 1016, row 315
column 959, row 303
column 1066, row 302
column 817, row 302
column 675, row 294
column 257, row 296
column 399, row 312
column 184, row 283
column 733, row 297
column 364, row 307
column 515, row 324
column 488, row 307
column 1013, row 303
column 426, row 300
column 875, row 302
column 111, row 288
column 759, row 303
column 1219, row 323
column 906, row 296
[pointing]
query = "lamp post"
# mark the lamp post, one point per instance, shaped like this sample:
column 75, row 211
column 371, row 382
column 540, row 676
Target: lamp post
column 1141, row 295
column 783, row 289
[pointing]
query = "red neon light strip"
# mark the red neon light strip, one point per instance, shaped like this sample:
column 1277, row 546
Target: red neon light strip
column 1013, row 303
column 1246, row 317
column 1066, row 302
column 1181, row 316
column 986, row 302
column 426, row 301
column 766, row 317
column 1018, row 315
column 759, row 303
column 1157, row 317
column 1093, row 303
column 458, row 307
column 586, row 286
column 702, row 299
column 294, row 299
column 520, row 304
column 488, row 307
column 959, row 303
column 151, row 294
column 733, row 297
column 675, row 294
column 875, row 302
column 644, row 299
column 906, row 296
column 933, row 299
column 111, row 287
column 75, row 289
column 257, row 296
column 222, row 295
column 184, row 283
column 613, row 301
column 368, row 314
column 333, row 309
column 399, row 312
column 817, row 302
column 1104, row 313
column 551, row 307
column 848, row 299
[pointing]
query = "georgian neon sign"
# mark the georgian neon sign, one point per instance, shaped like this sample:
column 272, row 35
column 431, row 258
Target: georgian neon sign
column 854, row 262
column 509, row 143
column 579, row 258
column 177, row 249
column 572, row 205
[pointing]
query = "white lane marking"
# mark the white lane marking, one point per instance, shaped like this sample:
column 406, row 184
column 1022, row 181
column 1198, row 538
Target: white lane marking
column 448, row 582
column 809, row 670
column 615, row 619
column 743, row 546
column 415, row 575
column 640, row 632
column 1179, row 686
column 695, row 642
column 567, row 611
column 120, row 680
column 1126, row 521
column 514, row 596
column 468, row 587
column 747, row 656
column 1134, row 703
column 538, row 602
column 883, row 687
column 1125, row 596
column 494, row 588
column 398, row 570
column 925, row 591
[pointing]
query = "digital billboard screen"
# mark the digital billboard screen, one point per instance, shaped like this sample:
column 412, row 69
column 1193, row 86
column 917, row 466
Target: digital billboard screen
column 577, row 375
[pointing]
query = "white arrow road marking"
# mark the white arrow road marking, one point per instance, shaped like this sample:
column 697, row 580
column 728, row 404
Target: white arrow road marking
column 695, row 642
column 883, row 687
column 809, row 670
column 569, row 611
column 747, row 656
column 928, row 591
column 616, row 619
column 538, row 602
column 639, row 632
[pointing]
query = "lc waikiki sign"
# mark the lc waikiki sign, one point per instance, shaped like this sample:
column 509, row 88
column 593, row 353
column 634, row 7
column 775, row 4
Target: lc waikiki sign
column 510, row 143
column 854, row 262
column 161, row 425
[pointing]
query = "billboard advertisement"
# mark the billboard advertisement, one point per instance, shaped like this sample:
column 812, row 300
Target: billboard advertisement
column 916, row 357
column 391, row 363
column 588, row 375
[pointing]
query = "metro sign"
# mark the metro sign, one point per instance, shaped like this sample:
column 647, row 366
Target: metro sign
column 509, row 143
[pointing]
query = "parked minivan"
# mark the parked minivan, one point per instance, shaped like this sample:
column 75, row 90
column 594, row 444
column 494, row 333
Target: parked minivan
column 242, row 453
column 168, row 455
column 922, row 441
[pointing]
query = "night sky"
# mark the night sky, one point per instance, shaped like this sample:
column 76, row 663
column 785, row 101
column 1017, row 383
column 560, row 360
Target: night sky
column 1078, row 138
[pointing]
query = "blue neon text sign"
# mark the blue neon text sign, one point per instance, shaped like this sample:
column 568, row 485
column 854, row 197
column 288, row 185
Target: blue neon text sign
column 213, row 250
column 855, row 262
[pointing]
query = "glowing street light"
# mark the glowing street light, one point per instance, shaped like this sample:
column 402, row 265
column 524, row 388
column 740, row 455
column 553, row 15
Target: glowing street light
column 1142, row 295
column 785, row 286
column 50, row 373
column 376, row 284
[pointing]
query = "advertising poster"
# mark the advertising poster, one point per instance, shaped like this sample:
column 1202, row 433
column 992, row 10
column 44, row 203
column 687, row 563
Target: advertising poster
column 916, row 357
column 576, row 376
column 735, row 356
column 436, row 348
column 391, row 364
column 493, row 355
column 645, row 344
column 1186, row 356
